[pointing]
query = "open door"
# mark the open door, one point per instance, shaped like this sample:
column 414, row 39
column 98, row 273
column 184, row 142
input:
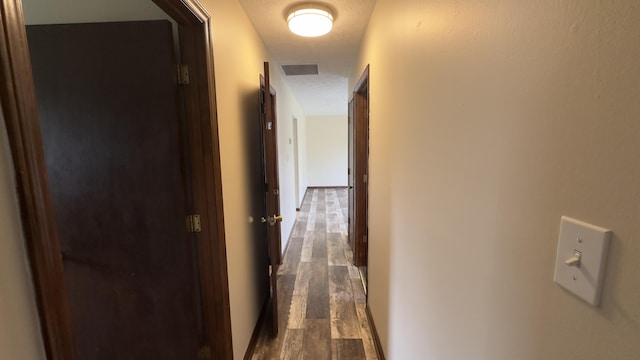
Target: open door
column 272, row 217
column 114, row 157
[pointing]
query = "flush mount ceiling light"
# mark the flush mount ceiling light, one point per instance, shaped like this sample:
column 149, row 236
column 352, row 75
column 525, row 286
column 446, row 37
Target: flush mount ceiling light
column 310, row 20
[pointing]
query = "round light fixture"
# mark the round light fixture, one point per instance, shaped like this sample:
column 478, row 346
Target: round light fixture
column 310, row 20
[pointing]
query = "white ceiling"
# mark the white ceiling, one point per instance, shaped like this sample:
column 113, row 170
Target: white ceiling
column 335, row 53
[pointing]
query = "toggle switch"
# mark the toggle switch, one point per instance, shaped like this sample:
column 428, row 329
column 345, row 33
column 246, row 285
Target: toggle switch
column 581, row 258
column 575, row 259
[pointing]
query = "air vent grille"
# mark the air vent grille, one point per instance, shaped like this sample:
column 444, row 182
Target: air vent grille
column 290, row 70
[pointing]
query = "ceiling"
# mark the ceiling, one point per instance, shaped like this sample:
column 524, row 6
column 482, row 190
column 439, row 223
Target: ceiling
column 335, row 53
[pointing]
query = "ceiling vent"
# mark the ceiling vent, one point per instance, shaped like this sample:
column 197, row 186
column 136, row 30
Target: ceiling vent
column 290, row 70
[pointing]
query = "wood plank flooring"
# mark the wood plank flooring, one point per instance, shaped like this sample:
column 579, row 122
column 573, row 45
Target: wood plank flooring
column 322, row 306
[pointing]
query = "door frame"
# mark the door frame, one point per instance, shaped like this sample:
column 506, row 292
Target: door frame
column 20, row 111
column 360, row 170
column 296, row 162
column 350, row 178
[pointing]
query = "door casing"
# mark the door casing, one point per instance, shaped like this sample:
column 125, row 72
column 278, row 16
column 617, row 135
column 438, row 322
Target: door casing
column 360, row 172
column 20, row 112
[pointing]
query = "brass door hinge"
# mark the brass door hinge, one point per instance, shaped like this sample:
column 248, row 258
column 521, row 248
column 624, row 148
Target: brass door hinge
column 193, row 224
column 204, row 353
column 183, row 74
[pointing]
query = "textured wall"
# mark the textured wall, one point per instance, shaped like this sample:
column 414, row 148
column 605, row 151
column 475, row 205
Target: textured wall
column 287, row 108
column 239, row 55
column 19, row 328
column 489, row 120
column 81, row 11
column 327, row 146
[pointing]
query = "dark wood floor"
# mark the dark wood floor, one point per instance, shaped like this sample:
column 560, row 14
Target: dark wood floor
column 322, row 306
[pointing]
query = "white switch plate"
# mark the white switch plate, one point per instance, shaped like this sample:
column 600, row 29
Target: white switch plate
column 592, row 241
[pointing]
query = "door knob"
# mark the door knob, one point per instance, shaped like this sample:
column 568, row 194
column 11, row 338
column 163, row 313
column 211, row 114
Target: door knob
column 271, row 219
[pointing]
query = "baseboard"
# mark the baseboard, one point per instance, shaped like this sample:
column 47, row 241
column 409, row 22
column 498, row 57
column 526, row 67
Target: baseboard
column 374, row 333
column 251, row 348
column 286, row 248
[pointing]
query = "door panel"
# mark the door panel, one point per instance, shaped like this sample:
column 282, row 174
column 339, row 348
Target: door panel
column 107, row 101
column 272, row 217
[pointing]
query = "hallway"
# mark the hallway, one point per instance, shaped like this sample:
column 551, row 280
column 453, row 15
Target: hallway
column 321, row 301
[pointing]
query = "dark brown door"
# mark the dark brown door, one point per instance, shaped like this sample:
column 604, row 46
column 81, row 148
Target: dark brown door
column 113, row 148
column 272, row 216
column 361, row 172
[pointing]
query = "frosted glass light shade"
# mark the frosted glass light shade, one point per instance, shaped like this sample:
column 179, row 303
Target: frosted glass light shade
column 310, row 20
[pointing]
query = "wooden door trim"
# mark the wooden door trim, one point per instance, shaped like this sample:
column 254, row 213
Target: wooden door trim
column 360, row 167
column 19, row 106
column 197, row 51
column 351, row 175
column 23, row 127
column 363, row 82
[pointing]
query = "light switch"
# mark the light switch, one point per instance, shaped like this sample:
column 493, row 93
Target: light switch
column 581, row 258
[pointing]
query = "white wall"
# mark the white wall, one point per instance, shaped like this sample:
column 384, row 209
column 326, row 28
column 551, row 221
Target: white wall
column 76, row 11
column 327, row 146
column 303, row 170
column 19, row 326
column 490, row 120
column 287, row 108
column 239, row 55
